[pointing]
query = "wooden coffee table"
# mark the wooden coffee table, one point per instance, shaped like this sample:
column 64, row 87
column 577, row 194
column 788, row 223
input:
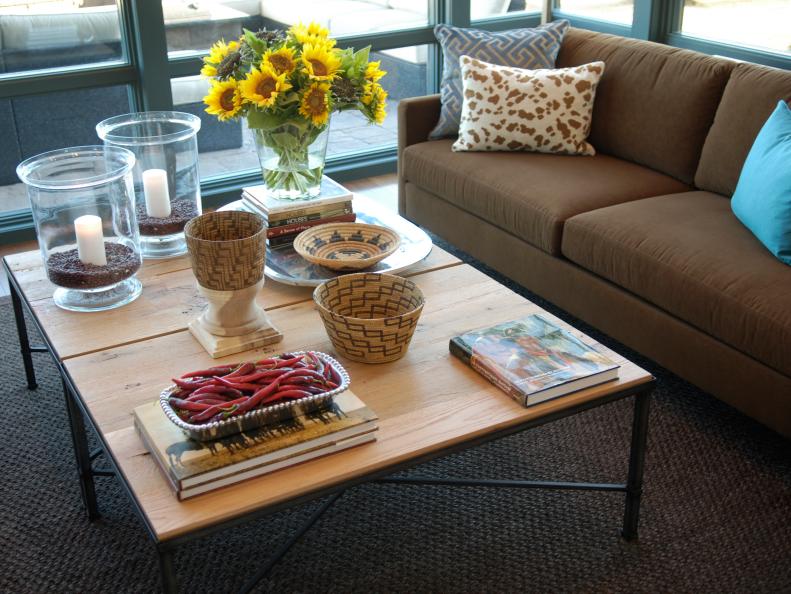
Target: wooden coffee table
column 429, row 403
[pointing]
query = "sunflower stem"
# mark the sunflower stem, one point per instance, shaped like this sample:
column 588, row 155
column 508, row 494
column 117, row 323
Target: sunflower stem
column 292, row 158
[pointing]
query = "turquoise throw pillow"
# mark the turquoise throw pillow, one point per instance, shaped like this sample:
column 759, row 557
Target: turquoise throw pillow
column 762, row 200
column 521, row 48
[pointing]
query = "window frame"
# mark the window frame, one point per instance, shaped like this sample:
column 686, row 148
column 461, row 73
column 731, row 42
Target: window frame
column 147, row 70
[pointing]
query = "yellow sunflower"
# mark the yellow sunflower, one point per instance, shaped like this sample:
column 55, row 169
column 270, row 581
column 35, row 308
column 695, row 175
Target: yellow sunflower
column 217, row 54
column 261, row 87
column 373, row 73
column 313, row 34
column 375, row 97
column 223, row 100
column 282, row 61
column 315, row 104
column 320, row 62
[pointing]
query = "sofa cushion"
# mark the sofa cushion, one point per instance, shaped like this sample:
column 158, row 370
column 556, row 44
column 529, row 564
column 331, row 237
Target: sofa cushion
column 523, row 48
column 762, row 200
column 529, row 194
column 655, row 103
column 510, row 109
column 688, row 255
column 750, row 96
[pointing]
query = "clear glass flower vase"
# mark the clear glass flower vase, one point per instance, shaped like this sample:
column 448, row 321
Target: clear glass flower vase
column 292, row 158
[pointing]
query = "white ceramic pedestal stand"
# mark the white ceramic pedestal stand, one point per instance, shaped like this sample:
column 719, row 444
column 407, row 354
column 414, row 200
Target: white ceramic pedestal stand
column 233, row 322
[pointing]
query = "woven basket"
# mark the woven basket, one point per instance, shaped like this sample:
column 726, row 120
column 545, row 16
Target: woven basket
column 369, row 317
column 227, row 249
column 346, row 246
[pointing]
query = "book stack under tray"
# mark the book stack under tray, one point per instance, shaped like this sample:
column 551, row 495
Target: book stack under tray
column 194, row 467
column 288, row 218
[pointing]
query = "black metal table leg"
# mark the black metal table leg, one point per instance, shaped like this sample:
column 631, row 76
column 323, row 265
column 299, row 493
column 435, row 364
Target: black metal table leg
column 634, row 482
column 82, row 454
column 167, row 570
column 24, row 342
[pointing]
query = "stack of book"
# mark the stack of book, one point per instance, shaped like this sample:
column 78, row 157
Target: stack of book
column 288, row 218
column 533, row 360
column 195, row 467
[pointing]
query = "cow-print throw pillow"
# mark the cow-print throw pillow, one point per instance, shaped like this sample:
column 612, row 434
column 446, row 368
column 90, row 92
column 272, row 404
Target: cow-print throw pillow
column 513, row 109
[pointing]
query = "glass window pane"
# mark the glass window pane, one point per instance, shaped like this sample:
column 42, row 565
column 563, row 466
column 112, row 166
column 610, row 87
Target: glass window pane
column 347, row 17
column 71, row 117
column 484, row 9
column 227, row 147
column 759, row 23
column 194, row 26
column 617, row 11
column 54, row 33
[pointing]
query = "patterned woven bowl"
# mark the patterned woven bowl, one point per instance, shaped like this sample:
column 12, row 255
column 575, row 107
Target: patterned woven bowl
column 369, row 317
column 346, row 246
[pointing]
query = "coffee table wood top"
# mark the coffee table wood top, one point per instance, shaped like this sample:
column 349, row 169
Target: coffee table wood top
column 427, row 402
column 169, row 301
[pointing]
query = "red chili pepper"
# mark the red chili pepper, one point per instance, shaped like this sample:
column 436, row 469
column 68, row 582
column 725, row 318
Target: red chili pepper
column 219, row 390
column 243, row 369
column 311, row 389
column 257, row 397
column 280, row 394
column 186, row 405
column 211, row 401
column 211, row 371
column 288, row 362
column 235, row 386
column 192, row 386
column 318, row 364
column 255, row 377
column 209, row 412
column 270, row 363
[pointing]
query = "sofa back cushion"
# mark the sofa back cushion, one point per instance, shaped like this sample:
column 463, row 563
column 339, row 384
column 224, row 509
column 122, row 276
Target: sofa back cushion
column 655, row 103
column 750, row 97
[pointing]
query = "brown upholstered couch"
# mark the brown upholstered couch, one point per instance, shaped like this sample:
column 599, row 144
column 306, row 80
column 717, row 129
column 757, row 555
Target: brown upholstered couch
column 639, row 240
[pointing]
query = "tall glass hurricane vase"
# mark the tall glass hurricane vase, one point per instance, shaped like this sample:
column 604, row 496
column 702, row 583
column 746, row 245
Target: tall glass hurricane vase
column 292, row 158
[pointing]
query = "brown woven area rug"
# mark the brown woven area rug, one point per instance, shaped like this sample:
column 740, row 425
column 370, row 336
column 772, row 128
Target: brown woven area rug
column 716, row 513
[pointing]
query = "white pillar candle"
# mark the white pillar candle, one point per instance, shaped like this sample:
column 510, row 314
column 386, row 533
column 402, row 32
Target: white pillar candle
column 155, row 189
column 90, row 241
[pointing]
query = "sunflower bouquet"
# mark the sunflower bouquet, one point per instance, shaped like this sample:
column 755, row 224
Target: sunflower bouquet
column 286, row 84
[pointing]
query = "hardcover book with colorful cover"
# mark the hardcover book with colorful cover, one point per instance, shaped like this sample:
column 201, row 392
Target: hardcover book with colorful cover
column 533, row 360
column 331, row 193
column 193, row 467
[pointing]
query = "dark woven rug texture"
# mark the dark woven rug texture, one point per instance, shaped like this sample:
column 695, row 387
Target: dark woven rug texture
column 716, row 514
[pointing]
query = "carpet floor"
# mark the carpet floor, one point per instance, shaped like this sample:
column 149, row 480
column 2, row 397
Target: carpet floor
column 716, row 513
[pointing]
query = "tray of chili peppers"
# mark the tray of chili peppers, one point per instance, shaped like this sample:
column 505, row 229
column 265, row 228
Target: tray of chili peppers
column 219, row 401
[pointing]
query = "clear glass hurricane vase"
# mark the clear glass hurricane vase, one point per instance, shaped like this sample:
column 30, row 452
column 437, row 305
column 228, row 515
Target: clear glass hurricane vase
column 292, row 158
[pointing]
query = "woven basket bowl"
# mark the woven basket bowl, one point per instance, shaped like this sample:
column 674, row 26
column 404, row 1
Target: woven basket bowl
column 369, row 317
column 227, row 249
column 346, row 246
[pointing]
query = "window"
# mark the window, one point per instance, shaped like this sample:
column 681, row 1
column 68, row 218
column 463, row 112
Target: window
column 616, row 11
column 485, row 9
column 54, row 34
column 758, row 23
column 80, row 61
column 71, row 117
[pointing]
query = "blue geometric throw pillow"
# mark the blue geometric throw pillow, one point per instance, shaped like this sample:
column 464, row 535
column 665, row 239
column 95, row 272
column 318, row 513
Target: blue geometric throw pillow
column 520, row 48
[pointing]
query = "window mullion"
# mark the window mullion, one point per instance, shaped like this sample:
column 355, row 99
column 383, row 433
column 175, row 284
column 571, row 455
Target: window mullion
column 150, row 54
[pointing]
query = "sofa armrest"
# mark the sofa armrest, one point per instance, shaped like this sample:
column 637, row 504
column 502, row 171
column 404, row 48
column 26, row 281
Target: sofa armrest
column 417, row 117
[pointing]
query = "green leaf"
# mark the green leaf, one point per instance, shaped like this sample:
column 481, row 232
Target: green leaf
column 263, row 120
column 257, row 45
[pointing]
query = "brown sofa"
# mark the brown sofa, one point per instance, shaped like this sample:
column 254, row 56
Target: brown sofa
column 640, row 240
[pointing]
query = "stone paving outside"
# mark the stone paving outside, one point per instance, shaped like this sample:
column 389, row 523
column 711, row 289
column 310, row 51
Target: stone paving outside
column 349, row 133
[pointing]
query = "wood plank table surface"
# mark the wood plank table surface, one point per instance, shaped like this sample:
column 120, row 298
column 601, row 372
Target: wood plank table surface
column 169, row 301
column 427, row 401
